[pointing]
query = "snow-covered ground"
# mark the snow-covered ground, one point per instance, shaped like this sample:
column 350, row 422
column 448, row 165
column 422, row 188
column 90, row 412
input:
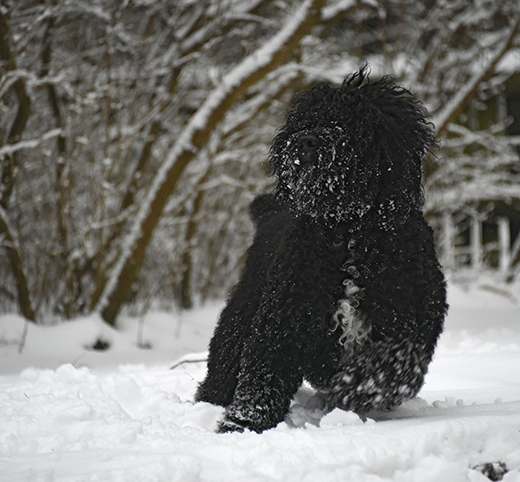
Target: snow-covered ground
column 70, row 413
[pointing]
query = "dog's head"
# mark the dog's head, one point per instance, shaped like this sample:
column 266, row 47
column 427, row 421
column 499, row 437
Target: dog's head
column 347, row 151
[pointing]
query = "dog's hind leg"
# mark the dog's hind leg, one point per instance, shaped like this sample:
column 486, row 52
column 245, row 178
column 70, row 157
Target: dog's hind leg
column 379, row 376
column 225, row 348
column 220, row 382
column 234, row 325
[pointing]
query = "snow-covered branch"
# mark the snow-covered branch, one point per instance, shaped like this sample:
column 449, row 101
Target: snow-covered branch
column 29, row 143
column 455, row 106
column 336, row 9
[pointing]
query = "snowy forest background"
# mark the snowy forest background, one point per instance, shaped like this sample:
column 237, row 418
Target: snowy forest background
column 133, row 134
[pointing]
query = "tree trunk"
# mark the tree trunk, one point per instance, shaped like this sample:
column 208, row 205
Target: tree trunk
column 7, row 164
column 15, row 261
column 186, row 300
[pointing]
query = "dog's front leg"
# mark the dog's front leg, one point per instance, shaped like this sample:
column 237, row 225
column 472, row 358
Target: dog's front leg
column 269, row 377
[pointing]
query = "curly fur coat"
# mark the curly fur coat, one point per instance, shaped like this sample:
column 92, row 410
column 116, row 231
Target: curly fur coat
column 341, row 285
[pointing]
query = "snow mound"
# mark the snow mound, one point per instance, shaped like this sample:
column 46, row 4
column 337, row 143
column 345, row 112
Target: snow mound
column 140, row 424
column 73, row 409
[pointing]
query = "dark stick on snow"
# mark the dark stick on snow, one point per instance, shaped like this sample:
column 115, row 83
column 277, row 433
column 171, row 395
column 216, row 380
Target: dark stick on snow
column 184, row 361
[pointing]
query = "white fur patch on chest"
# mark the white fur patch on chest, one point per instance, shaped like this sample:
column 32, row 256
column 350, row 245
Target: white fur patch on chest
column 348, row 318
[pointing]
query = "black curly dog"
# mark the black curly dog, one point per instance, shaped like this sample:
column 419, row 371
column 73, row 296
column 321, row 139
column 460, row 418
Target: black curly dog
column 341, row 285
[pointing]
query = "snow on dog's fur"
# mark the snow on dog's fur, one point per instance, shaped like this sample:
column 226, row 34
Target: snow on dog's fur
column 341, row 285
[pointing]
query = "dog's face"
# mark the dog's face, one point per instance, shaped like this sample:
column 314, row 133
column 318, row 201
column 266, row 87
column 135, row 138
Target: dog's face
column 347, row 151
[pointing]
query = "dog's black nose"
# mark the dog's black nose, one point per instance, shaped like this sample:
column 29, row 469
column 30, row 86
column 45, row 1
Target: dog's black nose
column 307, row 145
column 308, row 142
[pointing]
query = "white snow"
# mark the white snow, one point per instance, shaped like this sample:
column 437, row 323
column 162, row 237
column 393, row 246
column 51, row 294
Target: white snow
column 68, row 413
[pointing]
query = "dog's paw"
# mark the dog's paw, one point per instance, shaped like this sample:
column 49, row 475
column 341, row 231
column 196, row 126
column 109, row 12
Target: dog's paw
column 228, row 426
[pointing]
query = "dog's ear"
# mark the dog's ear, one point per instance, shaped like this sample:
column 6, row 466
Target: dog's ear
column 263, row 207
column 405, row 138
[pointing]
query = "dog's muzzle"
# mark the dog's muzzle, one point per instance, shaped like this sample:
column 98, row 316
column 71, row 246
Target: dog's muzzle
column 307, row 145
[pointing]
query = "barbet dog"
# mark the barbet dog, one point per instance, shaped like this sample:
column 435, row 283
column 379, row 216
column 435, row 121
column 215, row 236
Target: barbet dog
column 341, row 286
